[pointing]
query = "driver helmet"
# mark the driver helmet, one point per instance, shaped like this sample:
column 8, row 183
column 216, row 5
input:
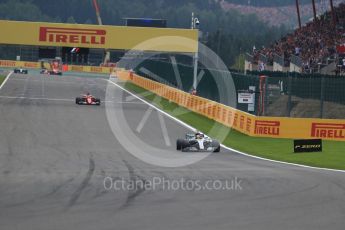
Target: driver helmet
column 199, row 135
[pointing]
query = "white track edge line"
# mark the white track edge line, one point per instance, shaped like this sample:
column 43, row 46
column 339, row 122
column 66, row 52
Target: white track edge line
column 154, row 107
column 7, row 77
column 223, row 146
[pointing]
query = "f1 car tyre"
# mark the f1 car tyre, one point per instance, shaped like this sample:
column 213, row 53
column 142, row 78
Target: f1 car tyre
column 77, row 100
column 216, row 145
column 181, row 144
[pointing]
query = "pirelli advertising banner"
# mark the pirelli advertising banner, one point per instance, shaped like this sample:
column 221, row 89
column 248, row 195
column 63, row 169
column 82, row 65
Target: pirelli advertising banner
column 90, row 69
column 303, row 128
column 275, row 127
column 96, row 36
column 37, row 65
column 22, row 64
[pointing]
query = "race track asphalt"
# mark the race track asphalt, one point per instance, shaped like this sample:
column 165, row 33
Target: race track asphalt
column 55, row 156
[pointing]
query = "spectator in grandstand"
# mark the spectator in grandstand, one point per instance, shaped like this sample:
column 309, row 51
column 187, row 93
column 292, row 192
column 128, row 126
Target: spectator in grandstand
column 297, row 51
column 261, row 66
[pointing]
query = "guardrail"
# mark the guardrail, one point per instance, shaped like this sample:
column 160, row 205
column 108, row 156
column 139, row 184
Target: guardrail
column 278, row 59
column 24, row 64
column 249, row 57
column 90, row 69
column 37, row 65
column 274, row 127
column 296, row 60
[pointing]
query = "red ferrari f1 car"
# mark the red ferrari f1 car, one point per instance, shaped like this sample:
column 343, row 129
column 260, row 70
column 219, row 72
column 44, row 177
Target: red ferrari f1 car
column 87, row 99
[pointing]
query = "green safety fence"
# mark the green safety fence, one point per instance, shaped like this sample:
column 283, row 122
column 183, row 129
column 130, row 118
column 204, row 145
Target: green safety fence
column 207, row 87
column 286, row 94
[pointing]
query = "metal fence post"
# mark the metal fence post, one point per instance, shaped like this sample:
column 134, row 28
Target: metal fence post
column 322, row 95
column 288, row 109
column 266, row 96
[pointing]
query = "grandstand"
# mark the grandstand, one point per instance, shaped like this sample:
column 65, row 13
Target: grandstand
column 311, row 48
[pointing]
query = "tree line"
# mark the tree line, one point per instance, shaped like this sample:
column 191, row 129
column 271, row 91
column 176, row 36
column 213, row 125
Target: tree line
column 228, row 33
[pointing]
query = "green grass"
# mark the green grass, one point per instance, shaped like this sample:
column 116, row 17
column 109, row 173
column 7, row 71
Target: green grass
column 333, row 155
column 2, row 78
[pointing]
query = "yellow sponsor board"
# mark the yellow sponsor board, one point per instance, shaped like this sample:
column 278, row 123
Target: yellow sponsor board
column 17, row 64
column 300, row 128
column 75, row 68
column 90, row 69
column 274, row 127
column 96, row 36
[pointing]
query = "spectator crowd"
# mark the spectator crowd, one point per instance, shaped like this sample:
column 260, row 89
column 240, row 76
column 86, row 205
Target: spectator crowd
column 314, row 43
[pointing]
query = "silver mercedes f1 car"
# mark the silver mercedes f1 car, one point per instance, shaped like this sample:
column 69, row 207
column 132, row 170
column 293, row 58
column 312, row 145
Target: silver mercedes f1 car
column 197, row 143
column 20, row 70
